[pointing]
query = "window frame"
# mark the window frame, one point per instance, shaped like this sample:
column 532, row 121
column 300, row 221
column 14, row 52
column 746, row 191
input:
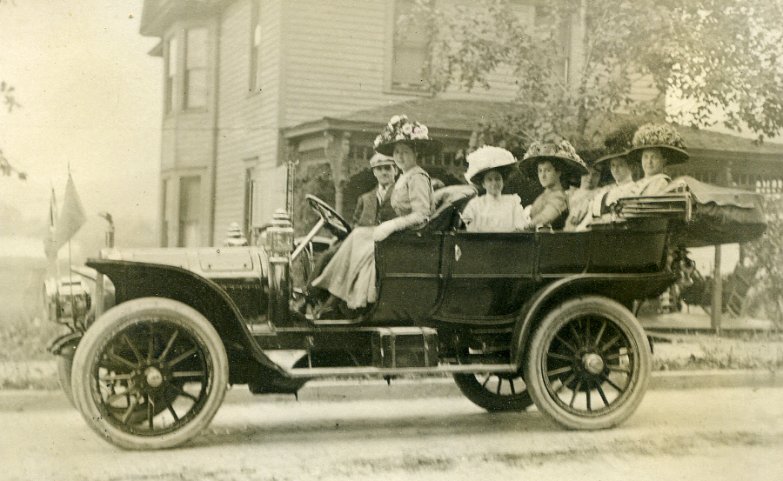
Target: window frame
column 391, row 28
column 187, row 70
column 254, row 68
column 171, row 67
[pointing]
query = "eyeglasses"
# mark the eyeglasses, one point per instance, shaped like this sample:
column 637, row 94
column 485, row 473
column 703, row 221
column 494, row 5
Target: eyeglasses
column 383, row 167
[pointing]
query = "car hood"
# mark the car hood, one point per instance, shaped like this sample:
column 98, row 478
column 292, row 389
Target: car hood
column 208, row 261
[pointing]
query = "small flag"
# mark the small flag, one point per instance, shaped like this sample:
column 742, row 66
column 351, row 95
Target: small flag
column 72, row 216
column 50, row 246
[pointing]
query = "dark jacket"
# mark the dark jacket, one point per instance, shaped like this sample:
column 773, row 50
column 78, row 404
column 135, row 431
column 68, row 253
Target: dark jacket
column 369, row 213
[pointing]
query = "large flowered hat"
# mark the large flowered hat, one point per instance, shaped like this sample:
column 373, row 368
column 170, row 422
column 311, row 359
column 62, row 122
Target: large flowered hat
column 561, row 153
column 487, row 158
column 659, row 136
column 401, row 130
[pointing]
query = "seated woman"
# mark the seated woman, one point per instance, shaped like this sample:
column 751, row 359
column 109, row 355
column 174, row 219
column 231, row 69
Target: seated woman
column 488, row 167
column 557, row 165
column 623, row 170
column 579, row 199
column 350, row 275
column 656, row 145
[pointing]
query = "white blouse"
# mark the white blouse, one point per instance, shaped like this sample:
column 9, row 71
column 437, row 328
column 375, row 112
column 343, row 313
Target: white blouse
column 490, row 214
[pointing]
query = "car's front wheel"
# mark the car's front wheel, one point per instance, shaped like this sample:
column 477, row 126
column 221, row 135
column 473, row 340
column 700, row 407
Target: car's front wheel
column 588, row 363
column 151, row 373
column 495, row 392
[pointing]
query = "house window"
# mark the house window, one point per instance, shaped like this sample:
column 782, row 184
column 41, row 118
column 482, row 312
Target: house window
column 189, row 211
column 410, row 48
column 250, row 185
column 196, row 68
column 255, row 47
column 171, row 74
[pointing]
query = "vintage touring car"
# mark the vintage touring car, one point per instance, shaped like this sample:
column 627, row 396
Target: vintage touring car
column 517, row 318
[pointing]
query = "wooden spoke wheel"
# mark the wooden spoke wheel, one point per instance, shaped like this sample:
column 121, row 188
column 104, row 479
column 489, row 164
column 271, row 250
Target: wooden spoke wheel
column 151, row 373
column 588, row 364
column 495, row 392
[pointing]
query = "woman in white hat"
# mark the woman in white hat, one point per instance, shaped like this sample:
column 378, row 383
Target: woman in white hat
column 557, row 165
column 488, row 167
column 350, row 275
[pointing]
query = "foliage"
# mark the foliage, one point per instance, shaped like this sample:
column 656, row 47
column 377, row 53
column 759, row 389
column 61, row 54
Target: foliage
column 315, row 180
column 766, row 254
column 721, row 57
column 9, row 96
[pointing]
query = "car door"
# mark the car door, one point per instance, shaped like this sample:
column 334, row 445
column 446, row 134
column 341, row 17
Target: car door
column 409, row 276
column 487, row 276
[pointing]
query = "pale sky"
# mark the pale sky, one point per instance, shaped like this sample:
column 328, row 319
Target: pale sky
column 91, row 97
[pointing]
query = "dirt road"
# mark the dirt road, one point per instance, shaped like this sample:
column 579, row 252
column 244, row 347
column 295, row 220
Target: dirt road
column 712, row 434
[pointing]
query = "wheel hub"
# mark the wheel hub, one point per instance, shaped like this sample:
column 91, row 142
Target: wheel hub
column 593, row 363
column 153, row 377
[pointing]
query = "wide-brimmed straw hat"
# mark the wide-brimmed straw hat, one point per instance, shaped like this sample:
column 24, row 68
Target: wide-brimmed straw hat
column 560, row 153
column 401, row 130
column 487, row 158
column 379, row 159
column 659, row 136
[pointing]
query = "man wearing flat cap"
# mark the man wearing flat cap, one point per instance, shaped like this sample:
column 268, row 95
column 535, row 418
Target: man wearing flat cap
column 374, row 207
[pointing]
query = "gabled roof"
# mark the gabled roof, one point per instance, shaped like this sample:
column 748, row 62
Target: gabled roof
column 458, row 118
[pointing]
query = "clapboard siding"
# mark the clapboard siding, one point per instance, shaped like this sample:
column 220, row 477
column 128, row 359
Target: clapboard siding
column 329, row 74
column 247, row 122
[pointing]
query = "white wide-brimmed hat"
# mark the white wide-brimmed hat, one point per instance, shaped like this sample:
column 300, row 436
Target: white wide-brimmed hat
column 487, row 158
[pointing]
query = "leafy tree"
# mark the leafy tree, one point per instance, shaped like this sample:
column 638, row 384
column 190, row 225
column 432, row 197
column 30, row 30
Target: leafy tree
column 721, row 57
column 764, row 255
column 8, row 92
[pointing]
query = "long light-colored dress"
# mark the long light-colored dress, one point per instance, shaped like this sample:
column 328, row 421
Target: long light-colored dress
column 490, row 214
column 350, row 275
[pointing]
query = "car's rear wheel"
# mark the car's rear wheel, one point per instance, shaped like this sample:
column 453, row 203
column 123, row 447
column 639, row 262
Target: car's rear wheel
column 149, row 374
column 588, row 364
column 495, row 392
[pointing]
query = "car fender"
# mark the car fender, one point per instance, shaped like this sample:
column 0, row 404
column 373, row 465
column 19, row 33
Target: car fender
column 623, row 288
column 133, row 280
column 65, row 344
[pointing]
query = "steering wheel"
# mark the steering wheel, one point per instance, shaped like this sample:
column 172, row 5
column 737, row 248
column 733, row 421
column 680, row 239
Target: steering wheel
column 333, row 221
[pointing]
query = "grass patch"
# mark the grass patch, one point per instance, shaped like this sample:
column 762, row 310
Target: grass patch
column 749, row 351
column 25, row 339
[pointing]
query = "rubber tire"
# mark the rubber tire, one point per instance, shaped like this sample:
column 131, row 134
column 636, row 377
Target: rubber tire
column 480, row 396
column 536, row 353
column 116, row 320
column 64, row 368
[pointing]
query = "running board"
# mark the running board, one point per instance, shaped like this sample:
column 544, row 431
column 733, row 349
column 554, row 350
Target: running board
column 398, row 371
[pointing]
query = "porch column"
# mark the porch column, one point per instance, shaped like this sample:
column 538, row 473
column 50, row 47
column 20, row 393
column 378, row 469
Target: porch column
column 337, row 148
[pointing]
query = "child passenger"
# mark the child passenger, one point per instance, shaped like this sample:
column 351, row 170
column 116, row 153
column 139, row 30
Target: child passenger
column 488, row 167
